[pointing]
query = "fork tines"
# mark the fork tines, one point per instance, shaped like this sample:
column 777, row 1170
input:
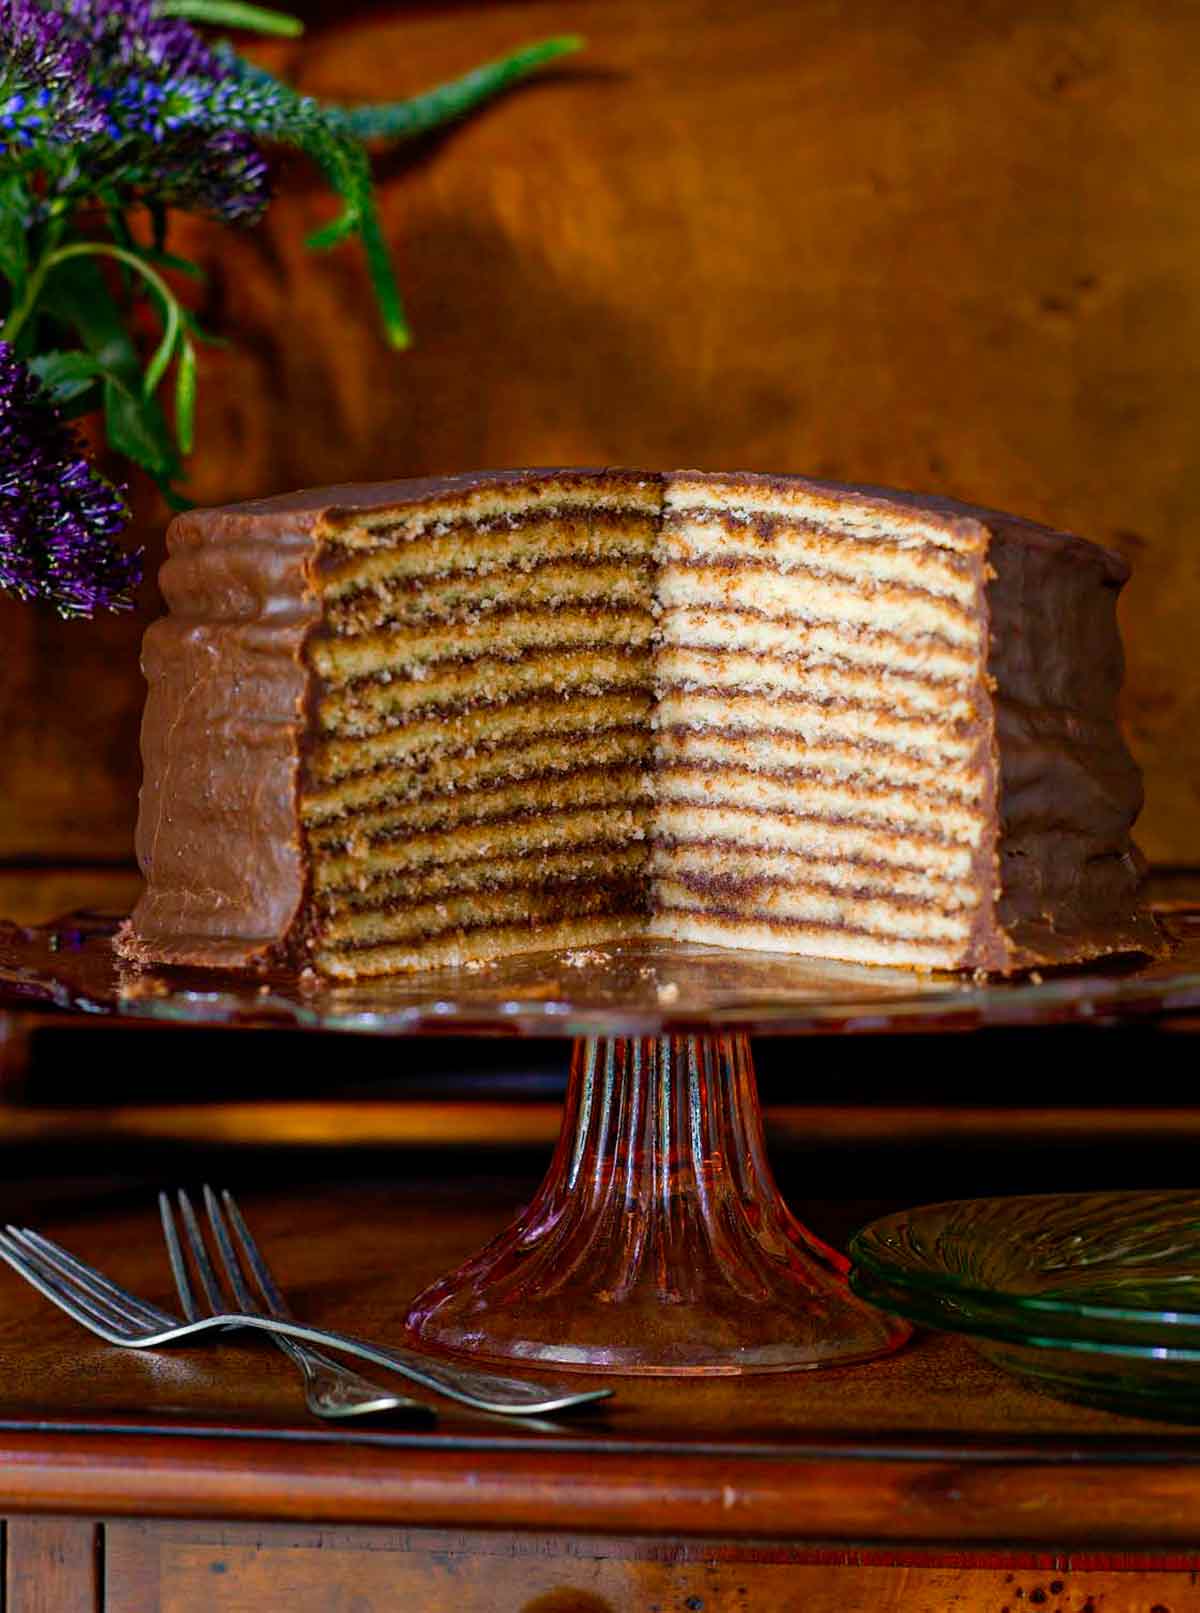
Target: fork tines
column 237, row 1251
column 85, row 1294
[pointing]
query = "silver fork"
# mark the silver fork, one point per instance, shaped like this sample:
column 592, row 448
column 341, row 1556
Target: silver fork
column 331, row 1389
column 119, row 1317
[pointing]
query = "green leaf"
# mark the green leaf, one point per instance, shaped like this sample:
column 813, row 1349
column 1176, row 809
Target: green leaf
column 234, row 14
column 159, row 219
column 14, row 241
column 334, row 233
column 404, row 120
column 348, row 170
column 86, row 402
column 172, row 260
column 383, row 279
column 165, row 351
column 86, row 304
column 77, row 294
column 185, row 397
column 136, row 428
column 66, row 375
column 201, row 334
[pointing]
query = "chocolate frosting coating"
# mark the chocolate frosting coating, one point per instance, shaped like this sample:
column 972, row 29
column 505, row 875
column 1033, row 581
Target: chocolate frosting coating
column 1069, row 788
column 219, row 838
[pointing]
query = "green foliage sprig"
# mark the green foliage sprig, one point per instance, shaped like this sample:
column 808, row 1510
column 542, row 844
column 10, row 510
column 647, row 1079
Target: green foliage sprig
column 114, row 116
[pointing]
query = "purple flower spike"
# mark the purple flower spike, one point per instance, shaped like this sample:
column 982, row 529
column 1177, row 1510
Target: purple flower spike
column 45, row 91
column 135, row 95
column 58, row 516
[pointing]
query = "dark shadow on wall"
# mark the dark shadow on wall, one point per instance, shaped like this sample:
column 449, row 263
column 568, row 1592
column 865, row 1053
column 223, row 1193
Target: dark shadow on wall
column 512, row 364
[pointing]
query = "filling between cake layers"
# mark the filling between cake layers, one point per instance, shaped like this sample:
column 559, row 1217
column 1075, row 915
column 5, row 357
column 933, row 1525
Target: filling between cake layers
column 563, row 712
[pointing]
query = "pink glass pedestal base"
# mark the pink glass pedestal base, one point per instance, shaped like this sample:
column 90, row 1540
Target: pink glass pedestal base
column 658, row 1242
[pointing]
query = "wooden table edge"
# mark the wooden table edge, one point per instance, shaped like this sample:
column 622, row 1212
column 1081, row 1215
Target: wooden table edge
column 1111, row 1498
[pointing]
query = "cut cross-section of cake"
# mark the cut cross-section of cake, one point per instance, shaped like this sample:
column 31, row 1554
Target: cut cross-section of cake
column 433, row 722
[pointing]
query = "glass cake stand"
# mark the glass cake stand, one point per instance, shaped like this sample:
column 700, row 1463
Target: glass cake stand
column 658, row 1242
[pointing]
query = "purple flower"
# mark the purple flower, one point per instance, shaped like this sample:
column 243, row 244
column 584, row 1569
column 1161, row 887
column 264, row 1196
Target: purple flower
column 58, row 517
column 45, row 92
column 225, row 174
column 160, row 85
column 180, row 138
column 126, row 96
column 129, row 36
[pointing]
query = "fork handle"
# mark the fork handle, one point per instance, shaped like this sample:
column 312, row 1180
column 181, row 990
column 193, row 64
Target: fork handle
column 485, row 1391
column 332, row 1390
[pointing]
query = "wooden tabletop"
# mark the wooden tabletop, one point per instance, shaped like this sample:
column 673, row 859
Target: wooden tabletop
column 933, row 1451
column 934, row 1445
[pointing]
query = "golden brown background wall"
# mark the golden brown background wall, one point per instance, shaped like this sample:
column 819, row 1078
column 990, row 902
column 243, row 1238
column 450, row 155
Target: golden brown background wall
column 949, row 246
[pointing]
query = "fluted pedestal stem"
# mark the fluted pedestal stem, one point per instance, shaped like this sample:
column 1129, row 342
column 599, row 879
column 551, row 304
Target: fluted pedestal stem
column 658, row 1242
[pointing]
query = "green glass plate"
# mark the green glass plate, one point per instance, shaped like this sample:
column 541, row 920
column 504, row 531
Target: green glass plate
column 1091, row 1295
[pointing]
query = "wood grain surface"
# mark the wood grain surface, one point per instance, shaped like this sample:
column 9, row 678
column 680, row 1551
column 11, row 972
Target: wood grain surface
column 932, row 1446
column 146, row 1566
column 192, row 1482
column 51, row 1565
column 191, row 1568
column 940, row 246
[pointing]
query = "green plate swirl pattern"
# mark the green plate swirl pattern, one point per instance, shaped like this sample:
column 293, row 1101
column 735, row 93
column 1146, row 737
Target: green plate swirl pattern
column 1091, row 1295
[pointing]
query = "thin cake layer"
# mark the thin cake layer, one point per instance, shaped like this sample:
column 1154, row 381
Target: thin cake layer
column 560, row 708
column 464, row 803
column 485, row 742
column 608, row 743
column 821, row 783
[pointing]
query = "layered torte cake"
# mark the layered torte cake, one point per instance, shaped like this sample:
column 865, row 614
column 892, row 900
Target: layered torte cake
column 432, row 722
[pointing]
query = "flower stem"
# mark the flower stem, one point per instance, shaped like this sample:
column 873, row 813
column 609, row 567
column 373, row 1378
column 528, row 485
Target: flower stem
column 172, row 316
column 234, row 14
column 405, row 120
